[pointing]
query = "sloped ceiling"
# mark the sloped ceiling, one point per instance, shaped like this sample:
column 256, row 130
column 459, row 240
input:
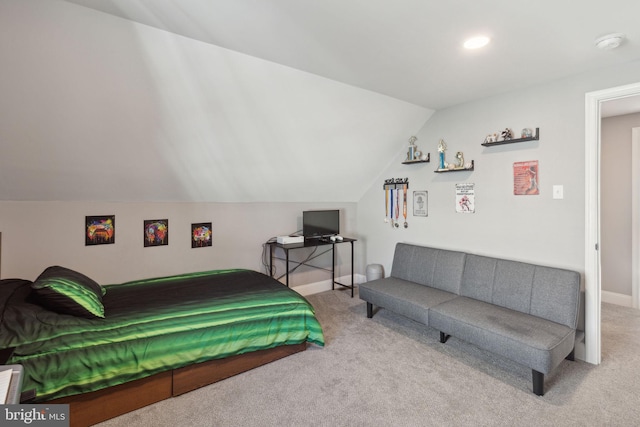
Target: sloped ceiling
column 407, row 49
column 96, row 107
column 277, row 101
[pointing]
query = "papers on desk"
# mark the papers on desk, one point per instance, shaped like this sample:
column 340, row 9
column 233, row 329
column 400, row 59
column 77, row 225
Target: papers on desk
column 5, row 382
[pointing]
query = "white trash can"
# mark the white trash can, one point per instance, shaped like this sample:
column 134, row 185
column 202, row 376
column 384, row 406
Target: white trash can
column 374, row 272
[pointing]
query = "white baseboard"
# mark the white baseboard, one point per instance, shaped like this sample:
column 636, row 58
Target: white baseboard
column 325, row 285
column 617, row 299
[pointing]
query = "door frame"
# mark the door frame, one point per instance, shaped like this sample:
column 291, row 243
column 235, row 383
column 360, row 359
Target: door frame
column 592, row 273
column 635, row 217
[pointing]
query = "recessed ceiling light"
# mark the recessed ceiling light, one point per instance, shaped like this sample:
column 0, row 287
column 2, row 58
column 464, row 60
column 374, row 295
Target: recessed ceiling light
column 476, row 42
column 610, row 41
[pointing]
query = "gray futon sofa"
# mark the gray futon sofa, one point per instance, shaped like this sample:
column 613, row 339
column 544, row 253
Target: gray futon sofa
column 524, row 312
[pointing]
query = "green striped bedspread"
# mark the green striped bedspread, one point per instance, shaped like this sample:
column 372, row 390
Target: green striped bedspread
column 152, row 326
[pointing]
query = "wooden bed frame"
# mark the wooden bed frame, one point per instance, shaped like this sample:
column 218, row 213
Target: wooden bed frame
column 91, row 408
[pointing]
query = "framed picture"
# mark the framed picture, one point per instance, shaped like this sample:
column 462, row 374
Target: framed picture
column 100, row 230
column 465, row 198
column 526, row 178
column 201, row 235
column 420, row 205
column 156, row 232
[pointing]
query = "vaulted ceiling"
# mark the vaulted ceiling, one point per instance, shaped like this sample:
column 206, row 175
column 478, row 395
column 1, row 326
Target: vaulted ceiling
column 270, row 100
column 406, row 49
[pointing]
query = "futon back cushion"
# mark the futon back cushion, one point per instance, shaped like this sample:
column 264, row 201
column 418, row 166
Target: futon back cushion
column 438, row 268
column 556, row 295
column 550, row 293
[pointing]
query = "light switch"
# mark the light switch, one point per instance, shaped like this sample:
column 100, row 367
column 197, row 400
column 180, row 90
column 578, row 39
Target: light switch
column 558, row 191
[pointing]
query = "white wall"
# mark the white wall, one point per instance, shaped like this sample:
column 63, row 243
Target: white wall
column 531, row 228
column 36, row 235
column 616, row 202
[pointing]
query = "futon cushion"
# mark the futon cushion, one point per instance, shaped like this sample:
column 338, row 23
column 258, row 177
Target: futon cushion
column 400, row 296
column 437, row 268
column 69, row 292
column 550, row 293
column 535, row 342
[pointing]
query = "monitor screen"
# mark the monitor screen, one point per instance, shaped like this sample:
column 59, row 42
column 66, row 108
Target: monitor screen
column 316, row 224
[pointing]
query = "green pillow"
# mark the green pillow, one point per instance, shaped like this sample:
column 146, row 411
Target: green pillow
column 69, row 292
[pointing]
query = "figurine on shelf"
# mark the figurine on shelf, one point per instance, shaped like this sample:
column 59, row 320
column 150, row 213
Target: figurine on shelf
column 492, row 137
column 506, row 135
column 460, row 159
column 411, row 154
column 526, row 133
column 441, row 149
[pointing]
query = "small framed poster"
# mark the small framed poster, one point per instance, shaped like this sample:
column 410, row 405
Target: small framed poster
column 100, row 230
column 420, row 205
column 465, row 198
column 526, row 179
column 156, row 232
column 201, row 235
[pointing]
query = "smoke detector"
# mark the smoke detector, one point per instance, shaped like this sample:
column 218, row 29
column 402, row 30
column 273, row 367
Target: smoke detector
column 610, row 41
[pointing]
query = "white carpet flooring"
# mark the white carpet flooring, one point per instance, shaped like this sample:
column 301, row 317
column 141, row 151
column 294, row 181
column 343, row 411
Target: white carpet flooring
column 390, row 371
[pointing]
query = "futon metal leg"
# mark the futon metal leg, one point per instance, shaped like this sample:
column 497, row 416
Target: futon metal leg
column 369, row 310
column 572, row 355
column 538, row 382
column 444, row 337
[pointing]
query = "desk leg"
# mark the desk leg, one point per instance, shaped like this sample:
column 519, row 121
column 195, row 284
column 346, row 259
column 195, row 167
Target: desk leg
column 286, row 252
column 351, row 269
column 270, row 260
column 333, row 266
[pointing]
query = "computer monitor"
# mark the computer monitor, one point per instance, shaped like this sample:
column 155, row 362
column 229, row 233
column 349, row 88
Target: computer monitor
column 318, row 224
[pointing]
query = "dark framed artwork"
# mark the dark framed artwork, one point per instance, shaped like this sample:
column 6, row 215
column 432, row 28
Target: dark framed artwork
column 156, row 232
column 201, row 235
column 100, row 230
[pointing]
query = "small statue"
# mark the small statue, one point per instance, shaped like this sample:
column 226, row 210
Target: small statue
column 411, row 154
column 460, row 159
column 441, row 149
column 492, row 137
column 506, row 134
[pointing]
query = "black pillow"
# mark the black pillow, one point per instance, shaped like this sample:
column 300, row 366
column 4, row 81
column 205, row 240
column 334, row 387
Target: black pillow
column 69, row 292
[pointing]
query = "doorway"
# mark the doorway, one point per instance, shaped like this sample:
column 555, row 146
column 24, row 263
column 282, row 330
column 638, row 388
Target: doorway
column 592, row 276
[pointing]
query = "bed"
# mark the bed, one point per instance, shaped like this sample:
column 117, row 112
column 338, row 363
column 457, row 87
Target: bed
column 107, row 350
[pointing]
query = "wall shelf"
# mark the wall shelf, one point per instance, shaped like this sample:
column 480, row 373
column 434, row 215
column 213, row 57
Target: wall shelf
column 456, row 169
column 411, row 162
column 535, row 137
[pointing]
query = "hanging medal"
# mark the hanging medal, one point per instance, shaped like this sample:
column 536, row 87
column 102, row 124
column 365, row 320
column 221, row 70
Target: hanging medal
column 391, row 210
column 397, row 224
column 404, row 205
column 386, row 203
